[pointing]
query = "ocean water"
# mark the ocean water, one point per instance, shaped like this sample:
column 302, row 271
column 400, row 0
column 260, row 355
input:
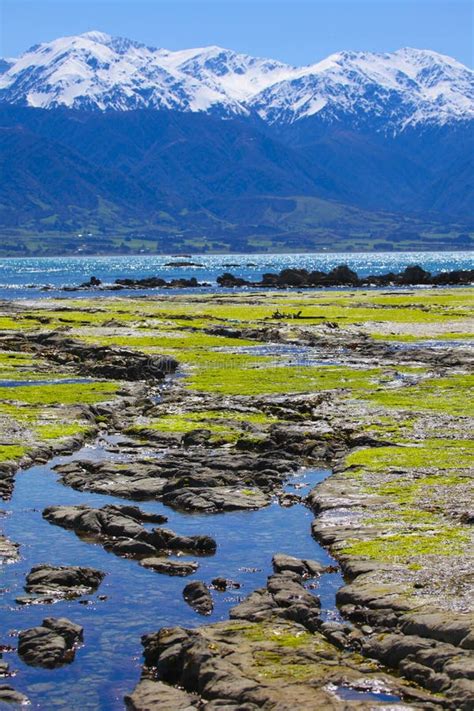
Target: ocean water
column 24, row 277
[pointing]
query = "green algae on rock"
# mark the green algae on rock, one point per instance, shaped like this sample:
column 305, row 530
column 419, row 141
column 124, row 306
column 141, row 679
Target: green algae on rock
column 392, row 417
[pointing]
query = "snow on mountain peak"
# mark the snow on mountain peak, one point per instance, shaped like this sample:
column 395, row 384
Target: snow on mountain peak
column 97, row 36
column 405, row 87
column 95, row 71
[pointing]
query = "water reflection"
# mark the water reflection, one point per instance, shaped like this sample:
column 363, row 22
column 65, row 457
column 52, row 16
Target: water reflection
column 138, row 600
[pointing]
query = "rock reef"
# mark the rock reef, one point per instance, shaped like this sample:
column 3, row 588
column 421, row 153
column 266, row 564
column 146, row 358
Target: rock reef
column 274, row 653
column 344, row 276
column 120, row 530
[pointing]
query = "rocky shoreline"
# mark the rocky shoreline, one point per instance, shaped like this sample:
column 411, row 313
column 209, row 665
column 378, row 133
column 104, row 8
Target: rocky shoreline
column 344, row 276
column 276, row 653
column 395, row 514
column 289, row 278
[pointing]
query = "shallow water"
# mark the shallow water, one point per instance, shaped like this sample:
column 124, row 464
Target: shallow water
column 57, row 381
column 16, row 274
column 138, row 600
column 440, row 344
column 349, row 693
column 286, row 354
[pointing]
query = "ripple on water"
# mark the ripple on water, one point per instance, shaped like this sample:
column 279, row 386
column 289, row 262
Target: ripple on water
column 17, row 275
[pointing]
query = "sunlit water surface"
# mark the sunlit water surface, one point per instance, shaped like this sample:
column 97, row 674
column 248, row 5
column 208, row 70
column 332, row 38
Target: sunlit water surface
column 138, row 600
column 18, row 274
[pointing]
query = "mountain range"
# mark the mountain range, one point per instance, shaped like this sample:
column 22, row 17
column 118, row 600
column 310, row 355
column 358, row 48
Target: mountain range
column 153, row 149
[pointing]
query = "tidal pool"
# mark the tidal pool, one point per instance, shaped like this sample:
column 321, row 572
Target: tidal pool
column 138, row 600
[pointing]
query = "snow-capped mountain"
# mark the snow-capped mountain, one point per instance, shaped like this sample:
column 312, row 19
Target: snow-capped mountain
column 95, row 71
column 406, row 87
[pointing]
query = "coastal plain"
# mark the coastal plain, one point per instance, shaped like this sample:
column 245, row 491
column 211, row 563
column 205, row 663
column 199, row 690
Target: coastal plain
column 216, row 401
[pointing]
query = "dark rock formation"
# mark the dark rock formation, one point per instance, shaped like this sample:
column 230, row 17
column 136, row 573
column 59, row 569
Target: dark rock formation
column 158, row 282
column 156, row 695
column 195, row 479
column 8, row 550
column 153, row 282
column 168, row 566
column 92, row 360
column 51, row 582
column 342, row 275
column 436, row 665
column 284, row 597
column 266, row 660
column 223, row 584
column 198, row 597
column 305, row 568
column 229, row 281
column 50, row 645
column 183, row 263
column 7, row 478
column 13, row 698
column 119, row 529
column 93, row 282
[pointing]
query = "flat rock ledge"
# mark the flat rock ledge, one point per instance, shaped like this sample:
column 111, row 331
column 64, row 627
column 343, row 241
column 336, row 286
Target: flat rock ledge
column 190, row 479
column 120, row 530
column 50, row 645
column 50, row 583
column 90, row 359
column 426, row 635
column 273, row 654
column 198, row 472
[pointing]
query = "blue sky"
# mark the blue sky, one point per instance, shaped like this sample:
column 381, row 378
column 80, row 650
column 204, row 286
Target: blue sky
column 294, row 31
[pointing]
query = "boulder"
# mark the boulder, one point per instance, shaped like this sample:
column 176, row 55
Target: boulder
column 8, row 550
column 50, row 645
column 304, row 568
column 198, row 597
column 63, row 580
column 284, row 597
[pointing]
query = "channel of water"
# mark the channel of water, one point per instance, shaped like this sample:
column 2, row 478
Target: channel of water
column 138, row 600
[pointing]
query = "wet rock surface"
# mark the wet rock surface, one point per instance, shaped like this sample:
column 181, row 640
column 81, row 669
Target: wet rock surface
column 50, row 645
column 170, row 567
column 120, row 530
column 7, row 479
column 285, row 597
column 9, row 551
column 156, row 695
column 210, row 476
column 92, row 360
column 198, row 597
column 289, row 564
column 48, row 583
column 191, row 479
column 12, row 698
column 329, row 345
column 271, row 660
column 419, row 619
